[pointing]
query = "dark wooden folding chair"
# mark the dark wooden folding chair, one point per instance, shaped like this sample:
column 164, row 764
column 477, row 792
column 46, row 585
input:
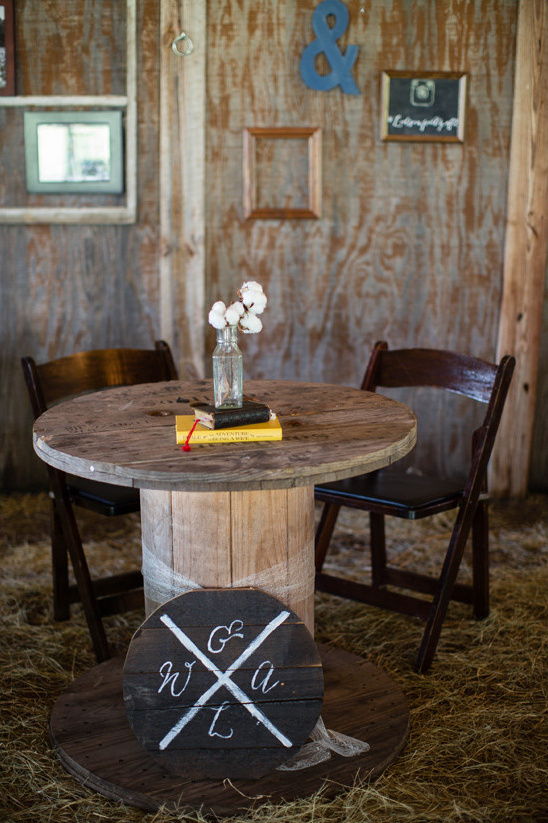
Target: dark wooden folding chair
column 48, row 384
column 394, row 492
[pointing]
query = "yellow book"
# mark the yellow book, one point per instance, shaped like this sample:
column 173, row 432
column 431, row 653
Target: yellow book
column 271, row 430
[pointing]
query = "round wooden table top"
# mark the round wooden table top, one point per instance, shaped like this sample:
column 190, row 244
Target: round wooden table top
column 127, row 436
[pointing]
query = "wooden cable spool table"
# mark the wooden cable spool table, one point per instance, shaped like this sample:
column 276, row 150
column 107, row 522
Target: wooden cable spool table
column 224, row 516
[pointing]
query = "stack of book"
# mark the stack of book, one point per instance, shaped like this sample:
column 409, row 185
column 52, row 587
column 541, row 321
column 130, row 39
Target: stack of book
column 252, row 422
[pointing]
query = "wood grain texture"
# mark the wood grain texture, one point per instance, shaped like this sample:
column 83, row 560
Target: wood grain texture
column 80, row 67
column 360, row 700
column 182, row 182
column 233, row 514
column 282, row 173
column 188, row 533
column 526, row 244
column 409, row 246
column 202, row 538
column 127, row 436
column 260, row 538
column 539, row 448
column 156, row 534
column 254, row 524
column 191, row 720
column 119, row 210
column 70, row 288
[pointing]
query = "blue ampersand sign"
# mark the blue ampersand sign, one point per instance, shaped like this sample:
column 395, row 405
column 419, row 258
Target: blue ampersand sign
column 341, row 64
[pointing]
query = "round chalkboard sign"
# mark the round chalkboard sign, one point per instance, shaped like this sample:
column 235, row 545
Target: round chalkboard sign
column 223, row 683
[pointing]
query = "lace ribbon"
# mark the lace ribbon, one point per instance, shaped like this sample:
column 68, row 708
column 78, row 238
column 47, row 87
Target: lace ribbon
column 161, row 582
column 323, row 741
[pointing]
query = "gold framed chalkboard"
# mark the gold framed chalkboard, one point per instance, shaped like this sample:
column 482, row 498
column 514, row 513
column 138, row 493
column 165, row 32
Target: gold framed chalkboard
column 426, row 106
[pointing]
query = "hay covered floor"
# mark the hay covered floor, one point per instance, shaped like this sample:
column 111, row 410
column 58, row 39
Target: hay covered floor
column 477, row 749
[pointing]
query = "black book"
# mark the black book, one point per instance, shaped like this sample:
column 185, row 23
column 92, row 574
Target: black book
column 250, row 412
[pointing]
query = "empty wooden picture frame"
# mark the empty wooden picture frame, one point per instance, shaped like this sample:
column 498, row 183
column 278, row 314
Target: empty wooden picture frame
column 283, row 183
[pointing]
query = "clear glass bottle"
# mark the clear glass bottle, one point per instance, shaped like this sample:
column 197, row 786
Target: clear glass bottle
column 227, row 370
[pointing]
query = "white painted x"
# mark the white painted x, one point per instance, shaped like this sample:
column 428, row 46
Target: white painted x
column 224, row 679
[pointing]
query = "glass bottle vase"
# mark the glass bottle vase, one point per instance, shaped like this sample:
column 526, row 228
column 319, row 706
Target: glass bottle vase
column 227, row 370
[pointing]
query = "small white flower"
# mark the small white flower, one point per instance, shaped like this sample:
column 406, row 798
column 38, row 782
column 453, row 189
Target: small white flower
column 217, row 315
column 234, row 312
column 250, row 323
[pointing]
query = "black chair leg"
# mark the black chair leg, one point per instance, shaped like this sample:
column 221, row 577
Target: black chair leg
column 81, row 572
column 444, row 589
column 324, row 532
column 59, row 568
column 480, row 559
column 378, row 548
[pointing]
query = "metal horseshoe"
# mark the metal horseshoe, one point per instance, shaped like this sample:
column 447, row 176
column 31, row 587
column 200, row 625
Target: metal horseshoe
column 189, row 45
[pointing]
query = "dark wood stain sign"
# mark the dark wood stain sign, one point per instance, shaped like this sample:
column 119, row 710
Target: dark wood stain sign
column 428, row 106
column 223, row 683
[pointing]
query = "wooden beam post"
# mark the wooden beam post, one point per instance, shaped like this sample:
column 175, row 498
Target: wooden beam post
column 182, row 183
column 525, row 249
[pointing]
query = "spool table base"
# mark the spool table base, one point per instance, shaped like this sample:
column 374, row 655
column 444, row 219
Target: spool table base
column 95, row 743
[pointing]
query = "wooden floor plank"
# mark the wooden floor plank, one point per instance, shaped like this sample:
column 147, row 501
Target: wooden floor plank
column 95, row 743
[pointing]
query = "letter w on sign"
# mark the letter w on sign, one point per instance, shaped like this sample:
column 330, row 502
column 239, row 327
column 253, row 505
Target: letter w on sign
column 224, row 679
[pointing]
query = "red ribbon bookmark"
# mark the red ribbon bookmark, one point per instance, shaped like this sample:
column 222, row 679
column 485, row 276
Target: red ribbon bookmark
column 186, row 447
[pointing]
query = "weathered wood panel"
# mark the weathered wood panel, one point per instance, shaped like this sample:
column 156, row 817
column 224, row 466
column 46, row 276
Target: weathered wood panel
column 126, row 436
column 360, row 701
column 68, row 288
column 182, row 182
column 538, row 480
column 525, row 248
column 409, row 246
column 240, row 648
column 73, row 47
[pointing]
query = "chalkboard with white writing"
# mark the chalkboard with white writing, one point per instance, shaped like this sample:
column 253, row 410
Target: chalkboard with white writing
column 223, row 683
column 429, row 106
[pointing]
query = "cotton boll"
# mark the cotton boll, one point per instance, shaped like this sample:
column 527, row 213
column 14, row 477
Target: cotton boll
column 250, row 324
column 259, row 303
column 243, row 312
column 217, row 320
column 217, row 315
column 248, row 297
column 233, row 313
column 250, row 292
column 237, row 307
column 232, row 317
column 251, row 285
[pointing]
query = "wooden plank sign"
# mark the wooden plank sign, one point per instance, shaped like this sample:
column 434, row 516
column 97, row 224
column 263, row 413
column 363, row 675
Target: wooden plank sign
column 223, row 683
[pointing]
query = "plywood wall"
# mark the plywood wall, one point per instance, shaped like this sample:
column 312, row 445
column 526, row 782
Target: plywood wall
column 409, row 246
column 68, row 288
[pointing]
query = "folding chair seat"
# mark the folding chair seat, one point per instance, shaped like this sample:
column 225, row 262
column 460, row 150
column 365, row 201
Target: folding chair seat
column 50, row 383
column 395, row 492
